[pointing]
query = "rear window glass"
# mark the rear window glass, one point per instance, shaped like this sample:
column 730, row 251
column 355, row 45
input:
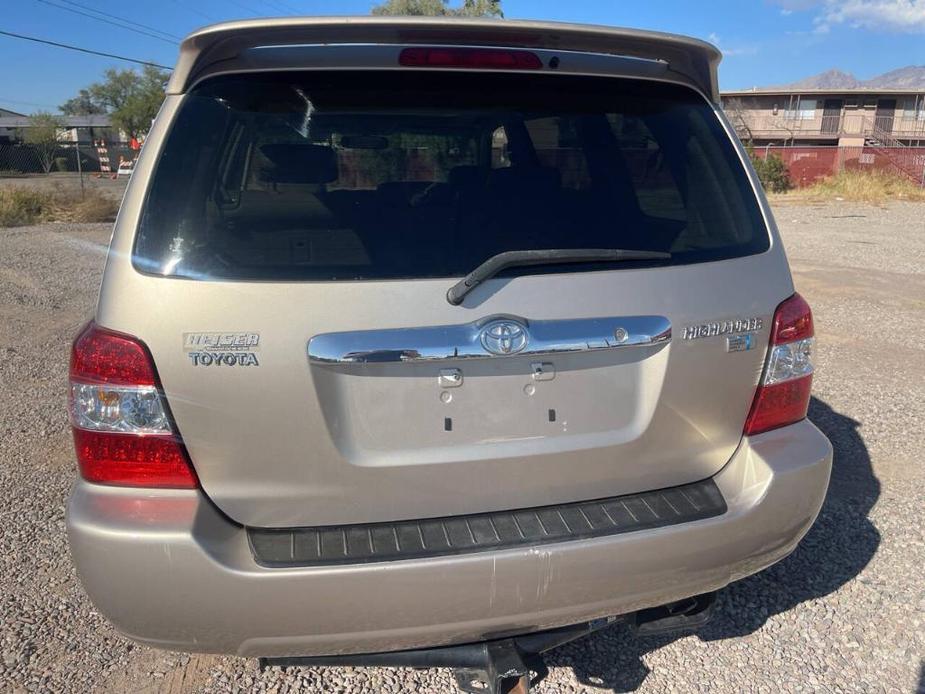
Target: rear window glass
column 406, row 174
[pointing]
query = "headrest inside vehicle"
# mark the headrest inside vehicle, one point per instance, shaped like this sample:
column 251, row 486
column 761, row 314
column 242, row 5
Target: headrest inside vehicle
column 299, row 163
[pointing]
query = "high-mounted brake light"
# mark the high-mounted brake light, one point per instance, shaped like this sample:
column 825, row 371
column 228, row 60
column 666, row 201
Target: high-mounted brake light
column 122, row 430
column 783, row 395
column 470, row 58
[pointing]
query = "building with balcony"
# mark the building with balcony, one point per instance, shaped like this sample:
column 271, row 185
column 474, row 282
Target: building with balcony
column 855, row 117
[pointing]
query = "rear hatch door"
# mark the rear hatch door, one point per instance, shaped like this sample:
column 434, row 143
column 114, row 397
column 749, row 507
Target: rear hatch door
column 294, row 254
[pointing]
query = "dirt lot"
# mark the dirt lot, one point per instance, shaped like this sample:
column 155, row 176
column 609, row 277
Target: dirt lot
column 845, row 612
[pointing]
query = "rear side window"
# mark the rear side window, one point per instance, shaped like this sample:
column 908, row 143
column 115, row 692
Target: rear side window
column 358, row 175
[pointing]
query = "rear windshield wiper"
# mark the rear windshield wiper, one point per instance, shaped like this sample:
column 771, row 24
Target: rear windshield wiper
column 551, row 256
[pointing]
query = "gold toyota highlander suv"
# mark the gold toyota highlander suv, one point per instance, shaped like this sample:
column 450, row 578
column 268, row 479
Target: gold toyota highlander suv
column 438, row 343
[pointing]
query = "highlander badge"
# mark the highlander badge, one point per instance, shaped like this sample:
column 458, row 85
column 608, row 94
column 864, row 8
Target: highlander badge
column 725, row 327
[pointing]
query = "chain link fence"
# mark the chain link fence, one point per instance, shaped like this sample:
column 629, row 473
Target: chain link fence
column 17, row 160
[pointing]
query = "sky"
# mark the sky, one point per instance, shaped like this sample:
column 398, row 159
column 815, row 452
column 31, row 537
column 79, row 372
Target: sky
column 764, row 42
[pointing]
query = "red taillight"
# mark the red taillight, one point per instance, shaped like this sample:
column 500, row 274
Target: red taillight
column 103, row 356
column 783, row 395
column 123, row 434
column 470, row 58
column 793, row 320
column 779, row 405
column 133, row 460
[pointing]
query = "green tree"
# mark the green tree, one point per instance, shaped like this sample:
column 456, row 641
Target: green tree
column 479, row 8
column 415, row 8
column 131, row 98
column 81, row 105
column 43, row 133
column 142, row 103
column 114, row 90
column 439, row 8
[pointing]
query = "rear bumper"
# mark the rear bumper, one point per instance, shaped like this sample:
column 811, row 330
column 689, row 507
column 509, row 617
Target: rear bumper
column 170, row 571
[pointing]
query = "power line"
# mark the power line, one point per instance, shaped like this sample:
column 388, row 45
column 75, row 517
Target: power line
column 196, row 11
column 277, row 6
column 120, row 23
column 244, row 7
column 105, row 21
column 26, row 103
column 83, row 50
column 121, row 19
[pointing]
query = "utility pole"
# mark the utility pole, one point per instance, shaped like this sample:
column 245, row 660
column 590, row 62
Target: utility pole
column 80, row 170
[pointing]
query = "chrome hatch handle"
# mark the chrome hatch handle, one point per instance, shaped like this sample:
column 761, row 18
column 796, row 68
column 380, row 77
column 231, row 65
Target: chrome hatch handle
column 489, row 338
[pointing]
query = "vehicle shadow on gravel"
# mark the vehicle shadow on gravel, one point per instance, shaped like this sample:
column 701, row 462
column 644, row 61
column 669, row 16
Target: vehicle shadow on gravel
column 835, row 550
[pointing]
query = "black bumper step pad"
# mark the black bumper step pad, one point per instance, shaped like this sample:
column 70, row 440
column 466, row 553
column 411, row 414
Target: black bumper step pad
column 484, row 532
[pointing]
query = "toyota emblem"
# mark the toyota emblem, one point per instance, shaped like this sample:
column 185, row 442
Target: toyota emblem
column 504, row 337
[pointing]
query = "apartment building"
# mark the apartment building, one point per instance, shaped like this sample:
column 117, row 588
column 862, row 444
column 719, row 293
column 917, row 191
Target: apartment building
column 855, row 117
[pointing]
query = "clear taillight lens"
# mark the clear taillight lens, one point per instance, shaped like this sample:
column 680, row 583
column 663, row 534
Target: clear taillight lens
column 132, row 410
column 123, row 434
column 789, row 361
column 783, row 395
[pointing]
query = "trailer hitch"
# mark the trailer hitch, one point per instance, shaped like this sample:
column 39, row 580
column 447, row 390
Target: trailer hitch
column 498, row 666
column 507, row 670
column 512, row 664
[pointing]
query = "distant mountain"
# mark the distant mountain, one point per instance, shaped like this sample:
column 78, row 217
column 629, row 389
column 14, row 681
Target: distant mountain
column 830, row 79
column 909, row 77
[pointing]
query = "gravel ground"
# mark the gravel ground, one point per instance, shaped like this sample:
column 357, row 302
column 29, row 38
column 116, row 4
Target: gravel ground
column 845, row 612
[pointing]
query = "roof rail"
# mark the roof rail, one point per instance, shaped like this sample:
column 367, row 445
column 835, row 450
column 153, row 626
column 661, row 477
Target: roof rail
column 223, row 43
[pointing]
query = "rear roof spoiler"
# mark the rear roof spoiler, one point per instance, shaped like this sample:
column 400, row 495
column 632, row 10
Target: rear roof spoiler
column 203, row 51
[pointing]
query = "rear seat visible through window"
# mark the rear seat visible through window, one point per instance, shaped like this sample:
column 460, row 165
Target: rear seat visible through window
column 290, row 189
